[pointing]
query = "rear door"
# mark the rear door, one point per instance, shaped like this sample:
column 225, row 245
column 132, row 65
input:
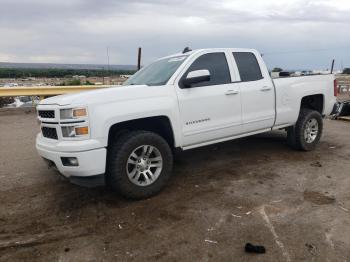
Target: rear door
column 209, row 110
column 257, row 92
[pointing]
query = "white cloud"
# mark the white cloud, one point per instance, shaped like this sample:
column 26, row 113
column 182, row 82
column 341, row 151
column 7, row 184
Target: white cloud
column 78, row 31
column 194, row 20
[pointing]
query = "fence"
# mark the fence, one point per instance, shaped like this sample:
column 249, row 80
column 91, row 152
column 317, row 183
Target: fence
column 343, row 87
column 44, row 91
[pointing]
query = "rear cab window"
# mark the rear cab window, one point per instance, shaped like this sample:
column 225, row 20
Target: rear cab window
column 216, row 64
column 248, row 66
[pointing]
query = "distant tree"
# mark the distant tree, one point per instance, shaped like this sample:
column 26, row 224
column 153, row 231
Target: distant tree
column 346, row 71
column 74, row 82
column 88, row 83
column 277, row 69
column 53, row 72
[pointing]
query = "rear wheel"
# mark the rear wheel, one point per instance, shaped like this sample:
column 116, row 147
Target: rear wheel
column 307, row 131
column 139, row 164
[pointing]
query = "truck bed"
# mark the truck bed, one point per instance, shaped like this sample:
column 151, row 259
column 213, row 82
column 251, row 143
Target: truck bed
column 291, row 90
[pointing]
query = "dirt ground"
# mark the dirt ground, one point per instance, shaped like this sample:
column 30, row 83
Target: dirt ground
column 220, row 197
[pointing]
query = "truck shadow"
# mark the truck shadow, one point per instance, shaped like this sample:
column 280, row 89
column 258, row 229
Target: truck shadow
column 250, row 158
column 216, row 162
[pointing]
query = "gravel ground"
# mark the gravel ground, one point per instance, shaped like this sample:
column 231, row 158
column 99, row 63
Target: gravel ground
column 220, row 197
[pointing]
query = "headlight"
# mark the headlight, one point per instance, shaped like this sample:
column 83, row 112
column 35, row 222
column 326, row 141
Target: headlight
column 79, row 128
column 75, row 131
column 73, row 113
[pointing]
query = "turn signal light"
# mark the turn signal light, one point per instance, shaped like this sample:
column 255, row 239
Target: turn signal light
column 79, row 112
column 80, row 131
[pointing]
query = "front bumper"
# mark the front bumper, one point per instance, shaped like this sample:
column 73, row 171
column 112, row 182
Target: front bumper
column 92, row 162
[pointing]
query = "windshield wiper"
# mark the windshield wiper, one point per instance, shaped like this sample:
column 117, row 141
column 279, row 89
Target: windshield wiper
column 133, row 84
column 154, row 84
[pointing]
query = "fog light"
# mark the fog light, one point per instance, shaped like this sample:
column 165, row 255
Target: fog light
column 69, row 161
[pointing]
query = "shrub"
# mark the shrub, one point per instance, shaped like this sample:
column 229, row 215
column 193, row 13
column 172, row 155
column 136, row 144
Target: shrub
column 346, row 71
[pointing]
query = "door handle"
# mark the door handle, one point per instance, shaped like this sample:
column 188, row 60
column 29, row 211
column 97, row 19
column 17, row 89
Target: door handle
column 265, row 88
column 231, row 92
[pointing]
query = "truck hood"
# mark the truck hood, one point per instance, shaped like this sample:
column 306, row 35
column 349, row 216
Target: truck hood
column 105, row 95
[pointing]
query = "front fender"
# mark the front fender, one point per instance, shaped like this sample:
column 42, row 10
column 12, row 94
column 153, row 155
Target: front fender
column 104, row 116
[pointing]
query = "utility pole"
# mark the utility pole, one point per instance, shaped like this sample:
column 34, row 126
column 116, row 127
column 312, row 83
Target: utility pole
column 108, row 58
column 332, row 67
column 139, row 59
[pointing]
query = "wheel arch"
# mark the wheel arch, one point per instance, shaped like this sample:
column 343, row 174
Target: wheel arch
column 314, row 102
column 157, row 124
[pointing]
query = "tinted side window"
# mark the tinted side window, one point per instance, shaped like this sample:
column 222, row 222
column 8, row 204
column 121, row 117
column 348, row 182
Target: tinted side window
column 217, row 65
column 248, row 66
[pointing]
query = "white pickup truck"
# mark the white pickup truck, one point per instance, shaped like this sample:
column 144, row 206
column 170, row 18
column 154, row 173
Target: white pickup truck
column 126, row 135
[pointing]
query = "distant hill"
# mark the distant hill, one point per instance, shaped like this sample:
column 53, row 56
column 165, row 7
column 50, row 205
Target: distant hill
column 66, row 66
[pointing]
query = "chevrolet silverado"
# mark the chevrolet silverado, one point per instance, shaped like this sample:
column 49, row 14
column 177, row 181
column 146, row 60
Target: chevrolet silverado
column 125, row 136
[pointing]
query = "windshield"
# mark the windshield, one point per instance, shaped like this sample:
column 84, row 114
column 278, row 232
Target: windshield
column 157, row 73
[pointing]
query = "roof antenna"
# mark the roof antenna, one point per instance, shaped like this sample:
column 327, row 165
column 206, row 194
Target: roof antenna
column 186, row 50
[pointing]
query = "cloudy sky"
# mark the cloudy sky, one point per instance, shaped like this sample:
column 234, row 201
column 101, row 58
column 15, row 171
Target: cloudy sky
column 292, row 34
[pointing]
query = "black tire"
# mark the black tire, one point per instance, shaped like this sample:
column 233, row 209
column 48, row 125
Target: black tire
column 118, row 154
column 296, row 134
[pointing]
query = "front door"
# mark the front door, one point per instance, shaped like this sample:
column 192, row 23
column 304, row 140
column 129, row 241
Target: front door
column 210, row 110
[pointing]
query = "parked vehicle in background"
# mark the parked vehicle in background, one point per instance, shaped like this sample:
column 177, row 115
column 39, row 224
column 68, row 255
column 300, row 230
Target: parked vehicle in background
column 24, row 101
column 127, row 135
column 10, row 85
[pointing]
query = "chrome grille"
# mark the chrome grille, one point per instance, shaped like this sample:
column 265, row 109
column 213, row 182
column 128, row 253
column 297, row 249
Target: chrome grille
column 46, row 113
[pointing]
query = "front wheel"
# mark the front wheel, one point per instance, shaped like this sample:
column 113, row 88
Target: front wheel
column 139, row 164
column 307, row 131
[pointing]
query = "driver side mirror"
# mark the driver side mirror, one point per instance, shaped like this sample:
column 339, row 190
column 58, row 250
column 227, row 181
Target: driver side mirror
column 195, row 77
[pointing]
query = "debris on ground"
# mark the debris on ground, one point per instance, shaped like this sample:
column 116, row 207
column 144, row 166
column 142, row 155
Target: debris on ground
column 342, row 109
column 316, row 164
column 343, row 208
column 276, row 201
column 250, row 248
column 211, row 241
column 318, row 198
column 311, row 248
